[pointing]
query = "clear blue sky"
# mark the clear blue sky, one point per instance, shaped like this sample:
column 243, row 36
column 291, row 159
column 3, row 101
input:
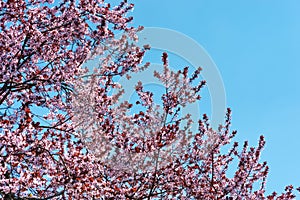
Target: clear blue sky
column 255, row 45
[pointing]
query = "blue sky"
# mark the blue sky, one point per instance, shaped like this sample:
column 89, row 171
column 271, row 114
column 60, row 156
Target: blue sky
column 255, row 45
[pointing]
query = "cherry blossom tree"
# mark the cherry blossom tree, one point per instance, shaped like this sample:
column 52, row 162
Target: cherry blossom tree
column 59, row 123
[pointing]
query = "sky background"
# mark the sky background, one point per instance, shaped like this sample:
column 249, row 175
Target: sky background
column 255, row 45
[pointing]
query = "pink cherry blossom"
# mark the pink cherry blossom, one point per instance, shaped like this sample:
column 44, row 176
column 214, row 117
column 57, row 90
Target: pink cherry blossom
column 64, row 133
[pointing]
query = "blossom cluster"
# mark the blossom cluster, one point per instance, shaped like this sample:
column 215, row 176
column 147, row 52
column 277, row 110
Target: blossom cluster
column 65, row 134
